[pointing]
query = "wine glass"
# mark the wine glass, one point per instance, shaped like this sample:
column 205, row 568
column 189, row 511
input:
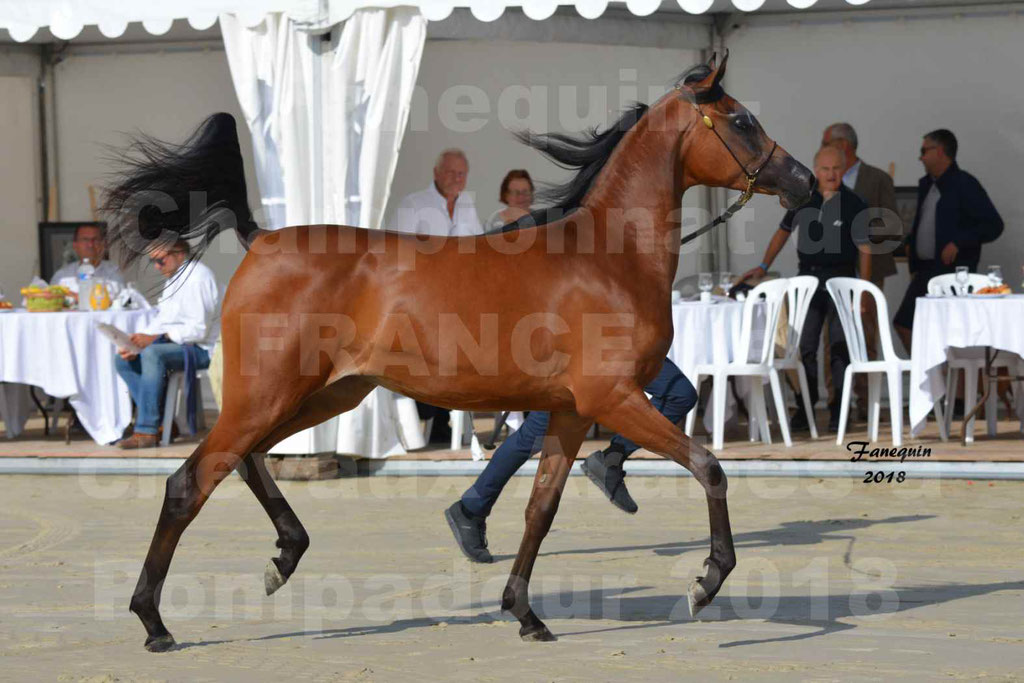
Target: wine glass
column 725, row 282
column 995, row 275
column 961, row 279
column 705, row 283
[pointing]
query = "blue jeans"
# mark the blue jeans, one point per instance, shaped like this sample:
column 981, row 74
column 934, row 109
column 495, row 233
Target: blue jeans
column 672, row 394
column 146, row 377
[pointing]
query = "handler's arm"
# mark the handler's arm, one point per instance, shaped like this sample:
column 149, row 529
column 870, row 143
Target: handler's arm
column 774, row 247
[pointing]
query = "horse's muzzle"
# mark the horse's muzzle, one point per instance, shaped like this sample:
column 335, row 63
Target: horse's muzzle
column 791, row 181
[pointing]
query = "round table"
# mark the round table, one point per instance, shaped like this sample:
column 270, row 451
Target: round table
column 66, row 356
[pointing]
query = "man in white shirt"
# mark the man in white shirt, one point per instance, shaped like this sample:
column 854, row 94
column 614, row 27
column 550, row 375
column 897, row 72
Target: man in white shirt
column 180, row 338
column 89, row 243
column 443, row 208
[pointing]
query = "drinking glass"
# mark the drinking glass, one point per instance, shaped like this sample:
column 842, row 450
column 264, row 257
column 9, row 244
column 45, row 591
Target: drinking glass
column 961, row 279
column 995, row 275
column 725, row 282
column 705, row 282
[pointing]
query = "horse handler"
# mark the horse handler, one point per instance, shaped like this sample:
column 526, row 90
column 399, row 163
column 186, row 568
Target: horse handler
column 671, row 393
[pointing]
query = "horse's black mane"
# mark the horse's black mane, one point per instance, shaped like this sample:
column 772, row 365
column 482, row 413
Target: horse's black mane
column 587, row 153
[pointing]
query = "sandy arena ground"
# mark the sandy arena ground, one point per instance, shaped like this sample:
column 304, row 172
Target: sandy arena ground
column 837, row 580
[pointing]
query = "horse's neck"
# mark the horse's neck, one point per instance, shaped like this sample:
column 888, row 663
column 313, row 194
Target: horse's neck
column 635, row 202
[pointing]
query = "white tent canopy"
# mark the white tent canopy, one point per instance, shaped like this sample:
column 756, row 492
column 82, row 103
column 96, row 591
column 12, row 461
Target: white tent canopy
column 65, row 19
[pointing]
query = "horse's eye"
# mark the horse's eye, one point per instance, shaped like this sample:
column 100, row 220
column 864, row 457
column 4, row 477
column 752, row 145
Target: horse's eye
column 743, row 123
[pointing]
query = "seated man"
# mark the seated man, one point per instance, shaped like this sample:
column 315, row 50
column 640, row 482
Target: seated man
column 672, row 394
column 181, row 336
column 89, row 243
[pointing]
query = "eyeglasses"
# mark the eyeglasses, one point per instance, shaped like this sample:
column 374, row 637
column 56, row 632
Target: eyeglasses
column 927, row 148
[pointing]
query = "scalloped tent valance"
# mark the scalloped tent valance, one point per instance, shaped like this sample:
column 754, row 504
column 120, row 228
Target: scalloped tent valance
column 66, row 18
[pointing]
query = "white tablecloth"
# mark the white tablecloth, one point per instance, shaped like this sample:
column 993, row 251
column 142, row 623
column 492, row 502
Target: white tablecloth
column 384, row 424
column 65, row 356
column 957, row 322
column 707, row 333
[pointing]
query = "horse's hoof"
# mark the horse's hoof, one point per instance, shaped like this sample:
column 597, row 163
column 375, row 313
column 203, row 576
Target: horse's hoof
column 273, row 578
column 697, row 597
column 704, row 588
column 160, row 643
column 537, row 635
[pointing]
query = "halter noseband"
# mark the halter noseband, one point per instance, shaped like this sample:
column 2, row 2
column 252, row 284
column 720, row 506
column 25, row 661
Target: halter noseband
column 713, row 95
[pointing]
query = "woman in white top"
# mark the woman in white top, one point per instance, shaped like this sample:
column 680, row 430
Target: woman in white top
column 517, row 195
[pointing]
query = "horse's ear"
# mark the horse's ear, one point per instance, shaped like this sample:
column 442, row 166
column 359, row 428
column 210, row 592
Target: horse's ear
column 720, row 71
column 712, row 80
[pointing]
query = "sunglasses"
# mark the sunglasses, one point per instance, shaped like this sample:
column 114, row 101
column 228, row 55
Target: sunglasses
column 926, row 149
column 160, row 260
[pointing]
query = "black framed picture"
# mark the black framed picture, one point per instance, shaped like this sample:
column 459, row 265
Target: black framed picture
column 906, row 205
column 55, row 245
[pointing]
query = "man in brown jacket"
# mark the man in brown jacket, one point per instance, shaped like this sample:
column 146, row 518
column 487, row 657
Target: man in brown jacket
column 875, row 187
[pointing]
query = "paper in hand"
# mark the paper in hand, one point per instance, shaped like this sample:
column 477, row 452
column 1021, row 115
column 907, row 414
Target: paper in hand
column 121, row 339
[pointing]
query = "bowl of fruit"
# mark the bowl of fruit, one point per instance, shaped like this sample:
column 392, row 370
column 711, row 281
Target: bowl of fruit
column 998, row 290
column 45, row 299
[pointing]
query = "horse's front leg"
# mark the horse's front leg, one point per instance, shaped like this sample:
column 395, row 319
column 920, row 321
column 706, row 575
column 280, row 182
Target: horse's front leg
column 637, row 420
column 566, row 432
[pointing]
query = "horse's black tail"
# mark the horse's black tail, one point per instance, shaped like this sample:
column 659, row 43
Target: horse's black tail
column 167, row 192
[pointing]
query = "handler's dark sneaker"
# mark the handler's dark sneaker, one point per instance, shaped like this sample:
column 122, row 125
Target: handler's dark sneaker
column 470, row 533
column 607, row 474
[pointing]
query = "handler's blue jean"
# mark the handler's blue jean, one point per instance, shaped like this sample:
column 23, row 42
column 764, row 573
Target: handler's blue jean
column 672, row 394
column 146, row 377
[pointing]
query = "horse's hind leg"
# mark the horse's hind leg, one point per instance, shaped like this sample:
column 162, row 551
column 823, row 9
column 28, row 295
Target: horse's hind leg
column 292, row 538
column 637, row 420
column 186, row 491
column 337, row 397
column 566, row 432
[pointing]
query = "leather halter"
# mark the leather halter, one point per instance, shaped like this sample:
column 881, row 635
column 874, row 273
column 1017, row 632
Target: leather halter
column 713, row 95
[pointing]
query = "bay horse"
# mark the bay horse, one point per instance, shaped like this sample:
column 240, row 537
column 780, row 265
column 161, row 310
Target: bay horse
column 317, row 316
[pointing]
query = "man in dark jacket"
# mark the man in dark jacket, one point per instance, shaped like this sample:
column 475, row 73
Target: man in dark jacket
column 954, row 218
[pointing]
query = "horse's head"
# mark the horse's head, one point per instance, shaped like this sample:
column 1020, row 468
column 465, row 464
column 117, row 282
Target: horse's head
column 723, row 144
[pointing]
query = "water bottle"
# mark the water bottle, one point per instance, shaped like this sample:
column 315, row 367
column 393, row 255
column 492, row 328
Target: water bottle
column 84, row 276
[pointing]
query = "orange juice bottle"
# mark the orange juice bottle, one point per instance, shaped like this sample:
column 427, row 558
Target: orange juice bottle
column 100, row 297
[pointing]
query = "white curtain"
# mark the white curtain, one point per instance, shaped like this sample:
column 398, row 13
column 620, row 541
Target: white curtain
column 327, row 117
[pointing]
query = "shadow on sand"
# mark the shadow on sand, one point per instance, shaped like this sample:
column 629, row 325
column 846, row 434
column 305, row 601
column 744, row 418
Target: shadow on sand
column 823, row 614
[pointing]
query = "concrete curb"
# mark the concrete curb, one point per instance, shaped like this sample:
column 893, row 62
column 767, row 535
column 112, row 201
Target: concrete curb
column 638, row 468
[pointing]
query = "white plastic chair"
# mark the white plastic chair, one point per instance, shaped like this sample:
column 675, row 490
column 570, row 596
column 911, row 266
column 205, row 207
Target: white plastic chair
column 946, row 285
column 800, row 292
column 174, row 408
column 970, row 360
column 846, row 292
column 752, row 360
